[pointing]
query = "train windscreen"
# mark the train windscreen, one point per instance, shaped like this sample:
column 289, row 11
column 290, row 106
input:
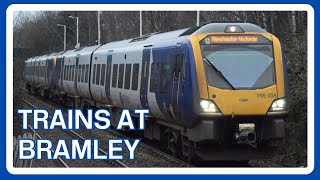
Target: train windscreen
column 239, row 66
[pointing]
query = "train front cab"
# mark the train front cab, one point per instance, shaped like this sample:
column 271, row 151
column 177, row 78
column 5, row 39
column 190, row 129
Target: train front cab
column 243, row 95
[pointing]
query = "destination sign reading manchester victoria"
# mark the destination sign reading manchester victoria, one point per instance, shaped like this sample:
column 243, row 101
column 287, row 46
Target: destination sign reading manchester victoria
column 235, row 39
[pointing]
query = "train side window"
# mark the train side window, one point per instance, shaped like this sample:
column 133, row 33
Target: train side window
column 69, row 72
column 154, row 77
column 127, row 76
column 98, row 74
column 75, row 72
column 83, row 73
column 94, row 74
column 64, row 72
column 79, row 72
column 67, row 75
column 71, row 78
column 183, row 66
column 121, row 71
column 135, row 76
column 165, row 70
column 179, row 67
column 60, row 70
column 114, row 75
column 176, row 67
column 103, row 71
column 87, row 73
column 72, row 73
column 57, row 69
column 64, row 75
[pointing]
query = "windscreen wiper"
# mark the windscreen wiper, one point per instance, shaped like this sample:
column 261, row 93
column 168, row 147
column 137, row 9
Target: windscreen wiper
column 220, row 73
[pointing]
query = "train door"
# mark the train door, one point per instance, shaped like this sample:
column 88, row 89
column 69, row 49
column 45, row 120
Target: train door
column 62, row 73
column 77, row 70
column 58, row 70
column 45, row 71
column 108, row 78
column 36, row 79
column 177, row 83
column 48, row 72
column 145, row 78
column 48, row 68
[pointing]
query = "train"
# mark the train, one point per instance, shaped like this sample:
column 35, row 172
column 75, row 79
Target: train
column 218, row 91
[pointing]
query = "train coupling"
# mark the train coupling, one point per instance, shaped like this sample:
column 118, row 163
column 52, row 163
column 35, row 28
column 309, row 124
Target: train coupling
column 246, row 134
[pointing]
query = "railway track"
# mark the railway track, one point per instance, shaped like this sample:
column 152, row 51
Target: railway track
column 73, row 134
column 157, row 152
column 61, row 161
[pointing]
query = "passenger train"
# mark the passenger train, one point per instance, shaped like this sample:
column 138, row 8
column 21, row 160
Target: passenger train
column 218, row 91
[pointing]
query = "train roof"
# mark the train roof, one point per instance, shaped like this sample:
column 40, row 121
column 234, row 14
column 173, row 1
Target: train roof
column 31, row 58
column 81, row 50
column 147, row 39
column 152, row 38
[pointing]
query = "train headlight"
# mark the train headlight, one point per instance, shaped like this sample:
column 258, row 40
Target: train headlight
column 279, row 105
column 208, row 106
